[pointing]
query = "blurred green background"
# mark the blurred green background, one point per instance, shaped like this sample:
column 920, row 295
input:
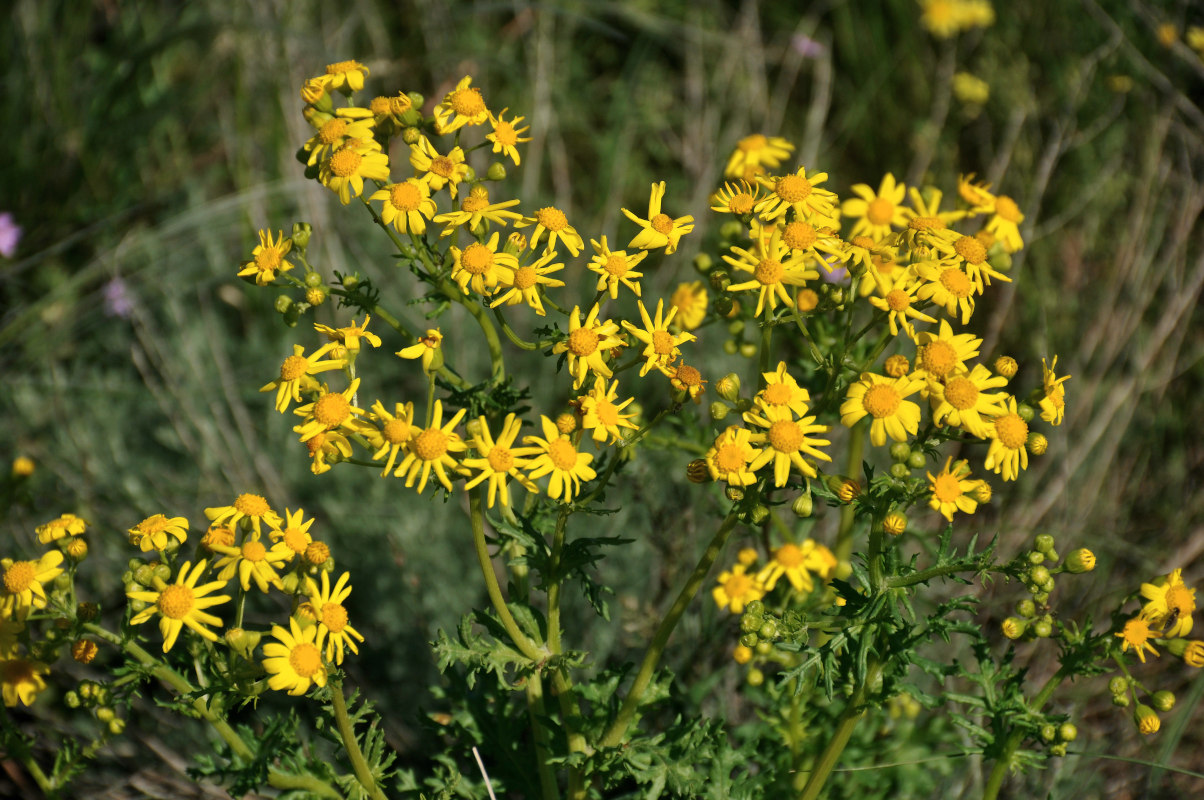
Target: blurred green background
column 147, row 143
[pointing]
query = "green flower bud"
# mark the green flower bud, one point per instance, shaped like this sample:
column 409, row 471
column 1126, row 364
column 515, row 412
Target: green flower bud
column 1120, row 700
column 1042, row 630
column 1118, row 685
column 763, row 648
column 1058, row 749
column 1014, row 627
column 72, row 700
column 803, row 505
column 1038, row 575
column 730, row 347
column 900, row 471
column 1041, row 597
column 769, row 629
column 719, row 410
column 496, row 172
column 1037, row 444
column 755, row 677
column 723, row 306
column 758, row 514
column 719, row 280
column 703, row 263
column 899, row 451
column 748, row 349
column 1147, row 720
column 1025, row 412
column 756, row 608
column 301, row 233
column 1026, row 608
column 116, row 726
column 1049, row 732
column 917, row 459
column 1163, row 701
column 735, row 327
column 1044, row 542
column 750, row 639
column 734, row 493
column 732, row 229
column 750, row 623
column 1079, row 561
column 411, row 135
column 283, row 304
column 728, row 387
column 104, row 714
column 1067, row 732
column 1036, row 557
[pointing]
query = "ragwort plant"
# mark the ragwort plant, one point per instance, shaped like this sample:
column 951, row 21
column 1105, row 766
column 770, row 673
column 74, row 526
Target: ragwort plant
column 845, row 315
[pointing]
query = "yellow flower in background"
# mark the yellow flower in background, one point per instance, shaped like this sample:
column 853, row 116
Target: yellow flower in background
column 736, row 198
column 347, row 123
column 344, row 76
column 1195, row 39
column 558, row 457
column 253, row 561
column 251, row 507
column 406, row 205
column 475, row 208
column 293, row 532
column 798, row 563
column 499, row 459
column 552, row 221
column 926, row 223
column 970, row 89
column 434, row 448
column 481, row 267
column 773, row 266
column 351, row 336
column 587, row 345
column 736, row 589
column 898, row 303
column 396, row 430
column 883, row 399
column 436, row 170
column 661, row 348
column 1008, row 453
column 952, row 490
column 876, row 212
column 798, row 193
column 756, row 153
column 296, row 372
column 64, row 525
column 729, row 457
column 21, row 585
column 615, row 267
column 428, row 348
column 333, row 627
column 152, row 532
column 181, row 603
column 944, row 353
column 1053, row 404
column 461, row 106
column 1136, row 636
column 786, row 440
column 294, row 661
column 946, row 18
column 522, row 285
column 602, row 415
column 965, row 400
column 1004, row 223
column 507, row 134
column 325, row 448
column 689, row 301
column 659, row 229
column 350, row 165
column 782, row 392
column 22, row 680
column 1170, row 605
column 268, row 258
column 330, row 411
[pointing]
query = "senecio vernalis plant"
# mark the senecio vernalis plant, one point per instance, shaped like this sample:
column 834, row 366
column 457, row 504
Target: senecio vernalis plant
column 846, row 316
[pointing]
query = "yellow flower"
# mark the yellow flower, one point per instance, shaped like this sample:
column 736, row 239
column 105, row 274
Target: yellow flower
column 1170, row 605
column 602, row 415
column 876, row 212
column 898, row 304
column 559, row 458
column 64, row 525
column 435, row 449
column 332, row 618
column 553, row 221
column 661, row 348
column 436, row 170
column 293, row 533
column 688, row 380
column 1005, row 221
column 1053, row 404
column 349, row 336
column 800, row 193
column 773, row 266
column 690, row 302
column 251, row 507
column 587, row 345
column 294, row 660
column 522, row 285
column 152, row 532
column 1008, row 453
column 331, row 411
column 334, row 131
column 736, row 589
column 473, row 209
column 428, row 348
column 461, row 106
column 1147, row 719
column 782, row 392
column 268, row 258
column 797, row 563
column 325, row 447
column 21, row 587
column 756, row 153
column 407, row 205
column 942, row 354
column 1136, row 636
column 22, row 680
column 970, row 89
column 396, row 431
column 947, row 285
column 481, row 267
column 738, row 199
column 506, row 134
column 963, row 399
column 181, row 603
column 729, row 457
column 348, row 166
column 952, row 490
column 926, row 223
column 659, row 229
column 499, row 459
column 345, row 76
column 614, row 267
column 787, row 440
column 884, row 399
column 253, row 560
column 296, row 372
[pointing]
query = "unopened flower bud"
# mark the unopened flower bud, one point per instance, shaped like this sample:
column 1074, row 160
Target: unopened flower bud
column 1006, row 367
column 317, row 553
column 1068, row 732
column 84, row 650
column 243, row 641
column 719, row 410
column 983, row 492
column 77, row 548
column 1043, row 543
column 301, row 233
column 1026, row 608
column 1014, row 627
column 1036, row 557
column 411, row 135
column 1163, row 701
column 724, row 306
column 1049, row 732
column 1042, row 629
column 23, row 467
column 317, row 295
column 697, row 471
column 1118, row 685
column 283, row 304
column 116, row 726
column 1037, row 443
column 1025, row 412
column 719, row 280
column 87, row 612
column 748, row 350
column 917, row 459
column 803, row 505
column 734, row 493
column 496, row 172
column 1081, row 560
column 742, row 654
column 758, row 515
column 900, row 471
column 899, row 451
column 1038, row 575
column 848, row 490
column 703, row 263
column 728, row 387
column 104, row 714
column 806, row 301
column 1147, row 719
column 566, row 423
column 894, row 523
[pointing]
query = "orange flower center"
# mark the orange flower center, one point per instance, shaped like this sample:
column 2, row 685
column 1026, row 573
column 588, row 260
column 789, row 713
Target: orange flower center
column 293, row 368
column 971, row 249
column 317, row 553
column 305, row 659
column 475, row 202
column 789, row 556
column 741, row 203
column 333, row 131
column 731, row 457
column 583, row 342
column 563, row 454
column 524, row 278
column 467, row 102
column 341, row 67
column 957, row 283
column 254, row 550
column 777, row 394
column 505, row 134
column 785, row 436
column 864, row 242
column 754, row 142
column 295, row 539
column 1006, row 209
column 769, row 272
column 501, row 459
column 334, row 617
column 926, row 223
column 662, row 343
column 19, row 577
column 476, row 258
column 252, row 505
column 880, row 211
column 898, row 300
column 661, row 223
column 793, row 188
column 431, row 444
column 442, row 166
column 1012, row 431
column 396, row 431
column 345, row 162
column 405, row 197
column 737, row 586
column 551, row 218
column 938, row 358
column 608, row 415
column 267, row 259
column 961, row 393
column 688, row 376
column 799, row 235
column 332, row 410
column 176, row 601
column 947, row 488
column 616, row 265
column 881, row 400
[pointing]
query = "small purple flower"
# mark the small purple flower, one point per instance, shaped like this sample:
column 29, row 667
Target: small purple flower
column 118, row 301
column 806, row 47
column 10, row 234
column 837, row 275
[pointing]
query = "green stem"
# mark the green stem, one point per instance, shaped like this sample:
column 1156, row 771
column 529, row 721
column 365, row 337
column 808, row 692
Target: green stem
column 555, row 580
column 900, row 581
column 535, row 709
column 479, row 314
column 363, row 773
column 999, row 772
column 848, row 514
column 622, row 721
column 849, row 718
column 524, row 644
column 514, row 338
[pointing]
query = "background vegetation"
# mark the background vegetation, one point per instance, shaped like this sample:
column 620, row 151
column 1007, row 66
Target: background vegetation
column 146, row 143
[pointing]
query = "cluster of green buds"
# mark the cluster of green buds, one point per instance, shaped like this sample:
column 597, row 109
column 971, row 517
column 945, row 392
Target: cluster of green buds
column 140, row 576
column 1058, row 736
column 906, row 460
column 1033, row 619
column 1125, row 692
column 760, row 629
column 99, row 698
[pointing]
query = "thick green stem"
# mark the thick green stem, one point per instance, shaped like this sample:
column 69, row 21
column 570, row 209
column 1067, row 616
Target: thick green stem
column 362, row 772
column 1003, row 764
column 848, row 514
column 622, row 721
column 535, row 709
column 844, row 729
column 520, row 639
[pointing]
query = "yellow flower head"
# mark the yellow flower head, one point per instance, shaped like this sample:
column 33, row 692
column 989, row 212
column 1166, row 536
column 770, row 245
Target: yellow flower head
column 397, row 429
column 876, row 212
column 1053, row 404
column 268, row 258
column 964, row 399
column 355, row 161
column 1136, row 636
column 690, row 302
column 429, row 348
column 507, row 134
column 181, row 603
column 786, row 440
column 1008, row 453
column 730, row 457
column 481, row 266
column 152, row 532
column 326, row 448
column 800, row 193
column 947, row 285
column 351, row 336
column 688, row 380
column 661, row 348
column 659, row 229
column 461, row 106
column 756, row 153
column 523, row 284
column 587, row 344
column 883, row 399
column 294, row 661
column 253, row 561
column 498, row 459
column 434, row 448
column 952, row 490
column 293, row 532
column 773, row 265
column 615, row 267
column 407, row 205
column 345, row 76
column 899, row 303
column 250, row 507
column 736, row 198
column 22, row 680
column 558, row 457
column 552, row 221
column 603, row 415
column 782, row 392
column 332, row 617
column 942, row 354
column 64, row 525
column 296, row 373
column 798, row 563
column 438, row 170
column 475, row 208
column 21, row 586
column 1170, row 605
column 736, row 589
